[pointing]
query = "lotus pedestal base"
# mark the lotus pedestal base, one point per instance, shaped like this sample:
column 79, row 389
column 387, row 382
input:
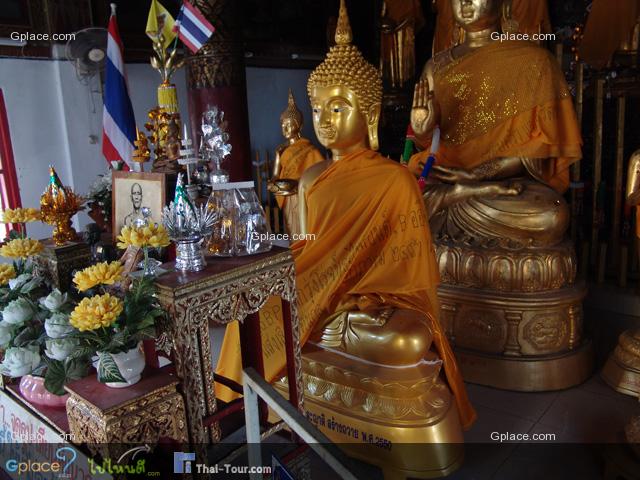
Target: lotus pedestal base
column 403, row 420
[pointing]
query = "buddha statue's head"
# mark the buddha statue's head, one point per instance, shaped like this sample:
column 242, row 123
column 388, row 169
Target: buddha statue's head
column 346, row 93
column 474, row 15
column 291, row 119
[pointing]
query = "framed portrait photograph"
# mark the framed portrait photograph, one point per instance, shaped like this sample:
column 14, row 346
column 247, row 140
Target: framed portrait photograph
column 133, row 192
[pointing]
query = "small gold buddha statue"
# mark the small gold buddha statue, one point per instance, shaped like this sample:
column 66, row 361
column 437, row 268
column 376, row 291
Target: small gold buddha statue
column 508, row 134
column 622, row 370
column 378, row 368
column 172, row 141
column 292, row 158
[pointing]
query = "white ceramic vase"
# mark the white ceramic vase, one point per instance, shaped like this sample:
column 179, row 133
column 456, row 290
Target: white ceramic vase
column 130, row 364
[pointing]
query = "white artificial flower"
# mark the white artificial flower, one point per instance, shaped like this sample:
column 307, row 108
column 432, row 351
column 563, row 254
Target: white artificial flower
column 6, row 333
column 20, row 361
column 18, row 311
column 54, row 300
column 61, row 348
column 57, row 325
column 19, row 281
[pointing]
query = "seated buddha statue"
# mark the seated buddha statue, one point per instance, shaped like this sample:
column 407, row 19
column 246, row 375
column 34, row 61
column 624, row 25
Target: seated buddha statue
column 494, row 197
column 291, row 160
column 378, row 368
column 622, row 370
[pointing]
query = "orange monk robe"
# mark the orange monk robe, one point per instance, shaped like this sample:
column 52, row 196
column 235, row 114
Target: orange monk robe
column 532, row 17
column 609, row 26
column 506, row 99
column 373, row 247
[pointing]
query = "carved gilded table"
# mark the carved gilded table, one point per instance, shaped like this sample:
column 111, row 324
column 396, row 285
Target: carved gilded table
column 228, row 289
column 107, row 419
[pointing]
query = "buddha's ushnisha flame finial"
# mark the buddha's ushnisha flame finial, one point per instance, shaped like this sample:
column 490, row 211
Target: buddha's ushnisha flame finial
column 343, row 29
column 292, row 111
column 344, row 65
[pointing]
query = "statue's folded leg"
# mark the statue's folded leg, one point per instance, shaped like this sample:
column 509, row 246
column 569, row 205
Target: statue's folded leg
column 388, row 336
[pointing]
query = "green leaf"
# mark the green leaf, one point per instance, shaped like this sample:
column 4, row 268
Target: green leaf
column 54, row 377
column 108, row 370
column 60, row 373
column 26, row 336
column 80, row 352
column 75, row 368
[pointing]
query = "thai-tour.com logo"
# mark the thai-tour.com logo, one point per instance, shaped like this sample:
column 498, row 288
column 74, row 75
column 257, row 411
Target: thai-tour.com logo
column 182, row 462
column 65, row 457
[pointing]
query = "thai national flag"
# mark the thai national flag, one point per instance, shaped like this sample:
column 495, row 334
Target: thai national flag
column 118, row 122
column 193, row 29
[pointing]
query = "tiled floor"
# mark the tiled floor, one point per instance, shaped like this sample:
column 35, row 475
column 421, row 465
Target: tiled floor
column 581, row 418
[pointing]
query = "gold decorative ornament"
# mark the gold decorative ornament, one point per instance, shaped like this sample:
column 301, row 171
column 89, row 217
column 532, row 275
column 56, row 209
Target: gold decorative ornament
column 622, row 370
column 509, row 299
column 292, row 158
column 165, row 122
column 142, row 153
column 57, row 205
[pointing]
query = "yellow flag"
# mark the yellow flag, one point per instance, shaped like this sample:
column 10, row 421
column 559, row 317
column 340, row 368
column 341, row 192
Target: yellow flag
column 160, row 22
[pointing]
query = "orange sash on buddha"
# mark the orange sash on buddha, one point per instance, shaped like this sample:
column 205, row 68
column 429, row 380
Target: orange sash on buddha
column 609, row 26
column 295, row 159
column 372, row 247
column 507, row 99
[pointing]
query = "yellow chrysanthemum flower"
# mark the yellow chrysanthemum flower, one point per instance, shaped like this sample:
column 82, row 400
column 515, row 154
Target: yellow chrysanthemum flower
column 95, row 312
column 7, row 272
column 21, row 248
column 20, row 215
column 147, row 236
column 99, row 274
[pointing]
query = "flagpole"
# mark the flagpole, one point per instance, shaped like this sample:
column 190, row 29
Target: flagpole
column 175, row 40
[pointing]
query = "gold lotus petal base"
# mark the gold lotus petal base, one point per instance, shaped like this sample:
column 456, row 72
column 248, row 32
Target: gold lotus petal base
column 621, row 377
column 403, row 420
column 527, row 374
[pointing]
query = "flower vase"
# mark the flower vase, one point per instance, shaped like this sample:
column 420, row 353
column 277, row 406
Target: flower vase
column 189, row 254
column 33, row 390
column 130, row 364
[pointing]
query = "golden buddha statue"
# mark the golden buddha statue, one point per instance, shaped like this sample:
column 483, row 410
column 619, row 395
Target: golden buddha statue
column 494, row 200
column 292, row 159
column 520, row 16
column 622, row 370
column 378, row 369
column 612, row 32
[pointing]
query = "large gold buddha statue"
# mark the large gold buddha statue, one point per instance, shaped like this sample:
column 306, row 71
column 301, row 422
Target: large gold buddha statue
column 494, row 199
column 380, row 377
column 291, row 160
column 622, row 370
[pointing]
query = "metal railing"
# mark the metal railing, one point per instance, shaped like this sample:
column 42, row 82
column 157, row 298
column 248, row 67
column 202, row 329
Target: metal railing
column 255, row 388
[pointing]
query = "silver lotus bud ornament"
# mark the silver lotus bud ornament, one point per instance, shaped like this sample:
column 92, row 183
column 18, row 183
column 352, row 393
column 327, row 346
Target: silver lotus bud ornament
column 215, row 143
column 188, row 226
